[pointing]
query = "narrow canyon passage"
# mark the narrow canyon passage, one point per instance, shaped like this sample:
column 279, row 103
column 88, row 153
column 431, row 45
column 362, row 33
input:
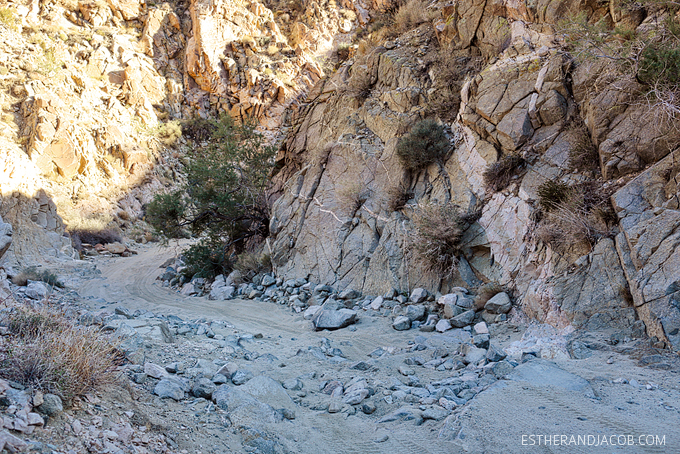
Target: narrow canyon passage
column 571, row 397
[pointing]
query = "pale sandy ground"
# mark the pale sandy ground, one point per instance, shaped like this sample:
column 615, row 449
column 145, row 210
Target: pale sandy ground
column 546, row 402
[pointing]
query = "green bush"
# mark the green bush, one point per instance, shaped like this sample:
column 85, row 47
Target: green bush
column 497, row 176
column 250, row 264
column 660, row 65
column 425, row 144
column 223, row 200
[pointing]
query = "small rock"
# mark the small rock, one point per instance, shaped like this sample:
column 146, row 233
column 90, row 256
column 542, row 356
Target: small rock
column 51, row 405
column 241, row 376
column 268, row 280
column 368, row 408
column 463, row 319
column 169, row 389
column 481, row 328
column 401, row 323
column 203, row 388
column 293, row 384
column 495, row 354
column 377, row 303
column 419, row 295
column 154, row 370
column 334, row 319
column 499, row 304
column 416, row 312
column 349, row 294
column 335, row 406
column 443, row 325
column 36, row 290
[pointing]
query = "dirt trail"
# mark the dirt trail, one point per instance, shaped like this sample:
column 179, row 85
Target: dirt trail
column 545, row 402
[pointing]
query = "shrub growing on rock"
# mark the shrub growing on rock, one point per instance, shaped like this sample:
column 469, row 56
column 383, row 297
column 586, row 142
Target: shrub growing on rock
column 435, row 240
column 425, row 144
column 497, row 176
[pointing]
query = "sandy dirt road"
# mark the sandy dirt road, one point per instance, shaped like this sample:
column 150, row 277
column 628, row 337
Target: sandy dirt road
column 568, row 397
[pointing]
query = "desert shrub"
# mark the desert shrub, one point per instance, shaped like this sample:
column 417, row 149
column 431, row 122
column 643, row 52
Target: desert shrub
column 425, row 144
column 50, row 353
column 497, row 176
column 343, row 52
column 449, row 69
column 223, row 200
column 208, row 258
column 199, row 129
column 352, row 195
column 398, row 196
column 94, row 236
column 574, row 214
column 250, row 264
column 435, row 239
column 8, row 18
column 32, row 273
column 552, row 194
column 410, row 15
column 583, row 155
column 170, row 132
column 359, row 84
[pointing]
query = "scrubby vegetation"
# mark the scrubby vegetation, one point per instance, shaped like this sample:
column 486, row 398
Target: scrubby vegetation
column 497, row 176
column 32, row 273
column 398, row 196
column 223, row 199
column 648, row 55
column 94, row 236
column 48, row 352
column 425, row 144
column 435, row 240
column 574, row 214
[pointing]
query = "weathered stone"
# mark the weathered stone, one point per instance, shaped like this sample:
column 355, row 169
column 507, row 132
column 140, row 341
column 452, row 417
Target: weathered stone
column 349, row 294
column 334, row 319
column 443, row 325
column 241, row 376
column 51, row 405
column 416, row 312
column 498, row 304
column 169, row 389
column 203, row 388
column 464, row 319
column 495, row 354
column 36, row 290
column 401, row 323
column 419, row 295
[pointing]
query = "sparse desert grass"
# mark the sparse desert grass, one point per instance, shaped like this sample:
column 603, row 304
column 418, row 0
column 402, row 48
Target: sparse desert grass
column 435, row 240
column 250, row 264
column 47, row 351
column 574, row 214
column 32, row 273
column 497, row 176
column 398, row 196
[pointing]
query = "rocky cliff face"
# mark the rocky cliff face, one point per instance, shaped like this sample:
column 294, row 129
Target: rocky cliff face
column 332, row 221
column 92, row 91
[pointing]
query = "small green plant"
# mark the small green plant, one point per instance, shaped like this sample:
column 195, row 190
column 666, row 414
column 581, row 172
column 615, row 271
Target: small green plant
column 552, row 194
column 436, row 236
column 199, row 129
column 32, row 273
column 425, row 144
column 207, row 259
column 497, row 176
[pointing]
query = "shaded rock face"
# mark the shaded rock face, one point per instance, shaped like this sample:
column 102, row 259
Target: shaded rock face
column 87, row 106
column 331, row 217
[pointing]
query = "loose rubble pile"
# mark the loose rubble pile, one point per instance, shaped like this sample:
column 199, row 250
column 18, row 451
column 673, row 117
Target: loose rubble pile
column 115, row 248
column 331, row 309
